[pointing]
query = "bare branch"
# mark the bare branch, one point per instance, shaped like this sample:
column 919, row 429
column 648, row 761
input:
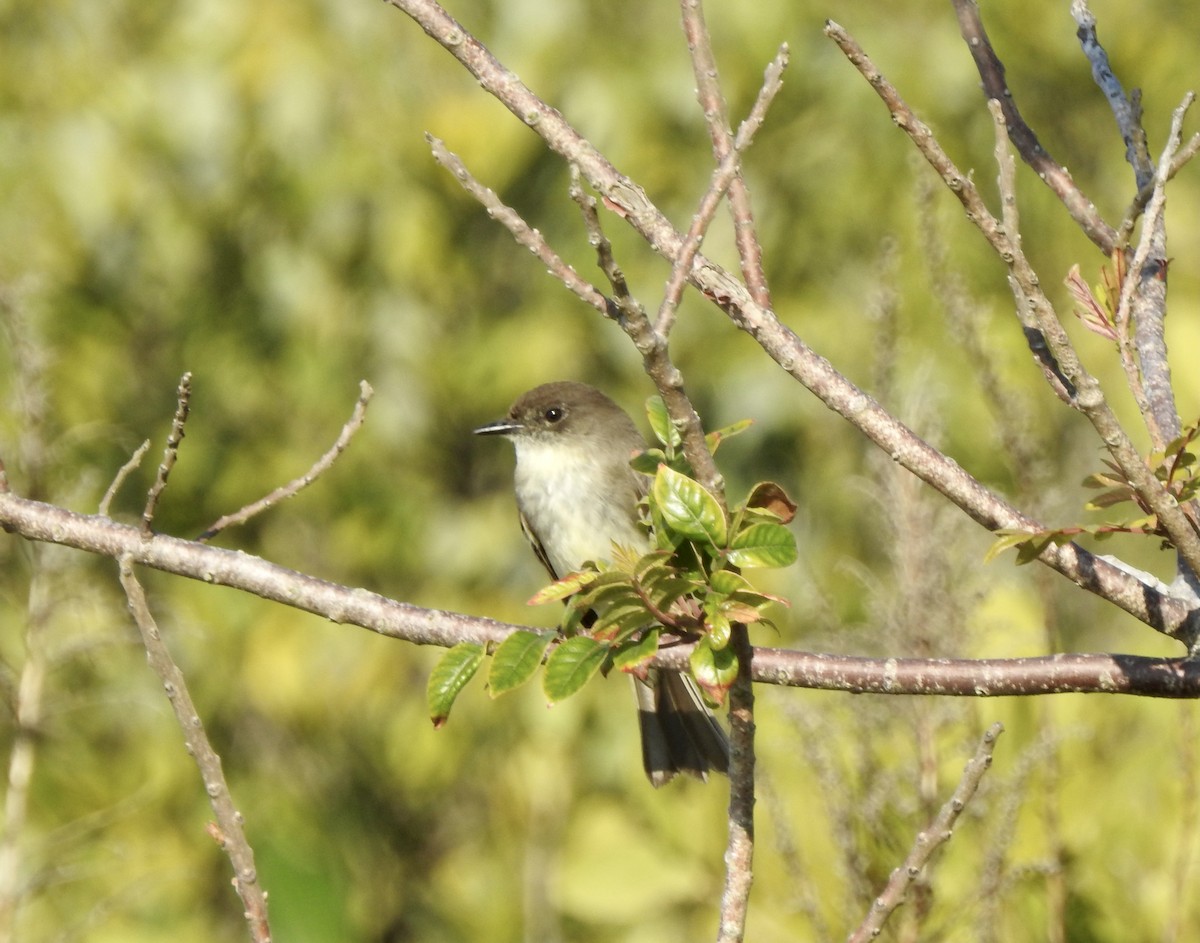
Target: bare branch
column 716, row 115
column 726, row 173
column 170, row 453
column 1053, row 674
column 1050, row 171
column 1025, row 140
column 1166, row 614
column 521, row 231
column 1133, row 214
column 352, row 425
column 230, row 835
column 1144, row 296
column 928, row 841
column 1035, row 335
column 122, row 473
column 652, row 345
column 1126, row 109
column 739, row 852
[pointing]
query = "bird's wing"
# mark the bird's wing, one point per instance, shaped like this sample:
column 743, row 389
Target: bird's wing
column 536, row 544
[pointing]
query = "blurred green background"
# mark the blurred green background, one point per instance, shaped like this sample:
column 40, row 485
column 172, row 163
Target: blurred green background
column 243, row 191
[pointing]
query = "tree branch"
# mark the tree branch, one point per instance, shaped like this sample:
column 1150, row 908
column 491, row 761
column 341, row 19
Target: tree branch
column 1144, row 297
column 716, row 116
column 1049, row 171
column 229, row 832
column 282, row 493
column 1126, row 109
column 170, row 453
column 739, row 852
column 928, row 841
column 1000, row 677
column 1088, row 397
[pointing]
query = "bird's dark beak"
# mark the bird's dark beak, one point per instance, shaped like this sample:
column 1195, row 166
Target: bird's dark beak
column 500, row 427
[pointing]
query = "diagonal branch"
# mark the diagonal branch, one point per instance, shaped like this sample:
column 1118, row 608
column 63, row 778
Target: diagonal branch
column 1144, row 296
column 1127, row 109
column 229, row 832
column 716, row 115
column 929, row 840
column 1049, row 171
column 170, row 453
column 283, row 492
column 726, row 174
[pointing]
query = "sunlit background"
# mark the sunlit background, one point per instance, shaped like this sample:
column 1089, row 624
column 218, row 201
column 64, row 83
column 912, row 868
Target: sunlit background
column 244, row 191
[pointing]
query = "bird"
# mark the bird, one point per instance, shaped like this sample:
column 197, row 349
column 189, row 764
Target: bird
column 577, row 498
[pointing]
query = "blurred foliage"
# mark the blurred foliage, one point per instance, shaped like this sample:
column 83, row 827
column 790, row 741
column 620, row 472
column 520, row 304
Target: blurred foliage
column 243, row 191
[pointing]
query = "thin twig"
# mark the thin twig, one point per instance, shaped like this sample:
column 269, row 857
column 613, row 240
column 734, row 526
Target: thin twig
column 629, row 313
column 122, row 473
column 928, row 841
column 708, row 92
column 1182, row 157
column 726, row 172
column 229, row 832
column 170, row 453
column 1050, row 171
column 1035, row 334
column 521, row 231
column 353, row 424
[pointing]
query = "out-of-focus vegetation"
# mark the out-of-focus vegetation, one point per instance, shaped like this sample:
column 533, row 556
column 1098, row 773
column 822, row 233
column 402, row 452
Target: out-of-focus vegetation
column 243, row 191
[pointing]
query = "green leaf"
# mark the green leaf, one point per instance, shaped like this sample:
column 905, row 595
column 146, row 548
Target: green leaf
column 616, row 629
column 1005, row 540
column 714, row 439
column 449, row 676
column 516, row 660
column 715, row 670
column 621, row 620
column 635, row 653
column 727, row 582
column 647, row 462
column 571, row 665
column 660, row 423
column 718, row 629
column 569, row 585
column 1031, row 549
column 688, row 508
column 763, row 545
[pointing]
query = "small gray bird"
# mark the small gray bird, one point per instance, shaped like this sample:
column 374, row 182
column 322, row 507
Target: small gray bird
column 577, row 496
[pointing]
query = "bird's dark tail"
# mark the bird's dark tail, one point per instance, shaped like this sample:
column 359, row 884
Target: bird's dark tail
column 679, row 732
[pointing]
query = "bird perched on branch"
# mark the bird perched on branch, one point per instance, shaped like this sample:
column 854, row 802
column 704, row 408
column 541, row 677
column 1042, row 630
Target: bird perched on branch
column 578, row 497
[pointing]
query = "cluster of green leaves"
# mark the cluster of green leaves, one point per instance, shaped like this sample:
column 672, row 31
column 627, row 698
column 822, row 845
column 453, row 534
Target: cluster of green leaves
column 1175, row 468
column 689, row 586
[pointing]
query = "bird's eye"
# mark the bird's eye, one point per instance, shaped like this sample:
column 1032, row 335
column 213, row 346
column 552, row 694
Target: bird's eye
column 554, row 414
